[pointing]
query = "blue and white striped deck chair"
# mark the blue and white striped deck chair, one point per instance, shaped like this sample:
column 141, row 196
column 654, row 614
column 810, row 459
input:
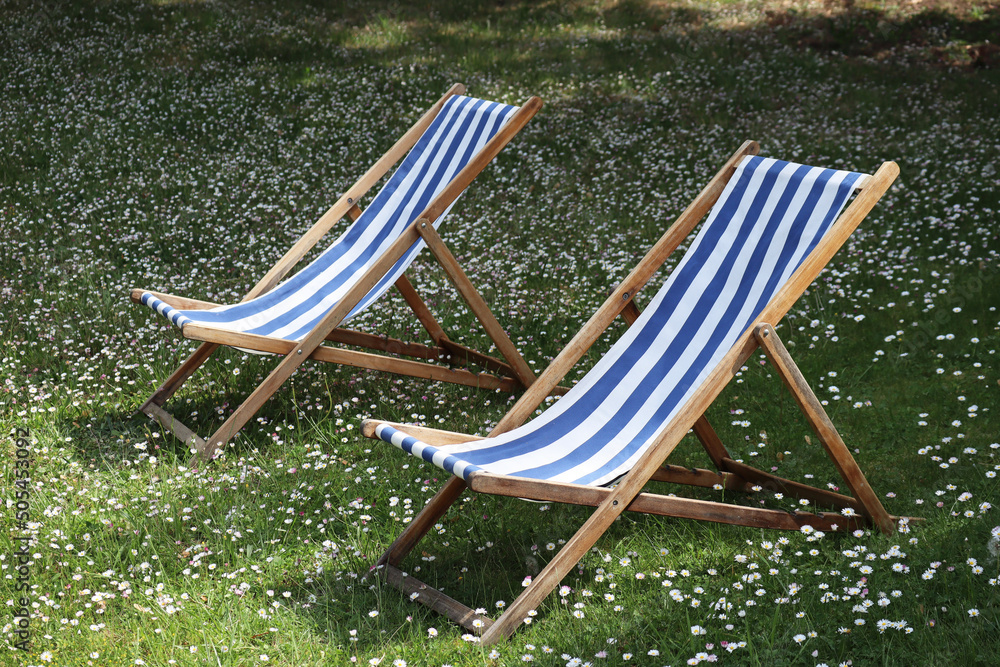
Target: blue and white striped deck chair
column 444, row 151
column 773, row 226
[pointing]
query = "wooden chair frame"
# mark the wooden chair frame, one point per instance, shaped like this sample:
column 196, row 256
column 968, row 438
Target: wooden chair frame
column 511, row 373
column 861, row 508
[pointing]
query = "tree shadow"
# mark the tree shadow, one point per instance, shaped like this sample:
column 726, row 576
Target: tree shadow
column 511, row 34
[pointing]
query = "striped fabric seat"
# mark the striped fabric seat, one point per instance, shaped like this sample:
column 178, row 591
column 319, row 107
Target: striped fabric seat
column 294, row 307
column 769, row 217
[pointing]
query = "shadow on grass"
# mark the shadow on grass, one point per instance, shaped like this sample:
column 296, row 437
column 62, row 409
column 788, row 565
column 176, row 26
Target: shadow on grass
column 508, row 35
column 549, row 38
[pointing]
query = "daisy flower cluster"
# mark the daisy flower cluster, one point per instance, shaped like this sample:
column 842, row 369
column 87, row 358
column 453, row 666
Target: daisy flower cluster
column 184, row 147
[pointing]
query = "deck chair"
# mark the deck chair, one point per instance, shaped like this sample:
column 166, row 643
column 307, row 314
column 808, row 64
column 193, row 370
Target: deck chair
column 444, row 151
column 773, row 226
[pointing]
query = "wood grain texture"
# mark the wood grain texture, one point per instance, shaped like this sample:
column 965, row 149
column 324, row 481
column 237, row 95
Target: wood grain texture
column 834, row 445
column 180, row 375
column 353, row 358
column 178, row 302
column 712, row 443
column 774, row 484
column 423, row 522
column 650, row 503
column 386, row 344
column 429, row 596
column 699, row 477
column 420, row 309
column 476, row 302
column 432, row 436
column 174, row 425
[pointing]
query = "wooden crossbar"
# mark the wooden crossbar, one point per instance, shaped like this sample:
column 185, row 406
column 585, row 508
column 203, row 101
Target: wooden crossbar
column 351, row 358
column 651, row 503
column 427, row 595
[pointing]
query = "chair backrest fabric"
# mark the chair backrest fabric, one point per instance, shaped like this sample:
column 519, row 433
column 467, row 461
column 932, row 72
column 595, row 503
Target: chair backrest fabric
column 294, row 307
column 769, row 217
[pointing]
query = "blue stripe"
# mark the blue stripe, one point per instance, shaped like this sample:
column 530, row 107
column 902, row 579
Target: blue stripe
column 175, row 316
column 407, row 258
column 461, row 120
column 683, row 348
column 420, row 199
column 370, row 215
column 654, row 423
column 612, row 379
column 386, row 433
column 675, row 351
column 419, row 193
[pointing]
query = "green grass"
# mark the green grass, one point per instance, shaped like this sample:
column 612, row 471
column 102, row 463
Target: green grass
column 183, row 146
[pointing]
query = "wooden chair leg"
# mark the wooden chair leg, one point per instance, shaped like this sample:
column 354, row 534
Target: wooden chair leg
column 460, row 355
column 823, row 426
column 558, row 567
column 253, row 403
column 429, row 596
column 476, row 303
column 712, row 443
column 420, row 309
column 423, row 522
column 179, row 376
column 175, row 426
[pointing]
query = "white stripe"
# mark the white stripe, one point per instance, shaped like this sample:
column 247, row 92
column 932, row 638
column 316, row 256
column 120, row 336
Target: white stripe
column 732, row 334
column 610, row 406
column 455, row 141
column 614, row 402
column 307, row 291
column 438, row 458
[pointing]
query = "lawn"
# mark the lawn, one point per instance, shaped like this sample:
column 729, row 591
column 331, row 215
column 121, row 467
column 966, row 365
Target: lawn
column 184, row 146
